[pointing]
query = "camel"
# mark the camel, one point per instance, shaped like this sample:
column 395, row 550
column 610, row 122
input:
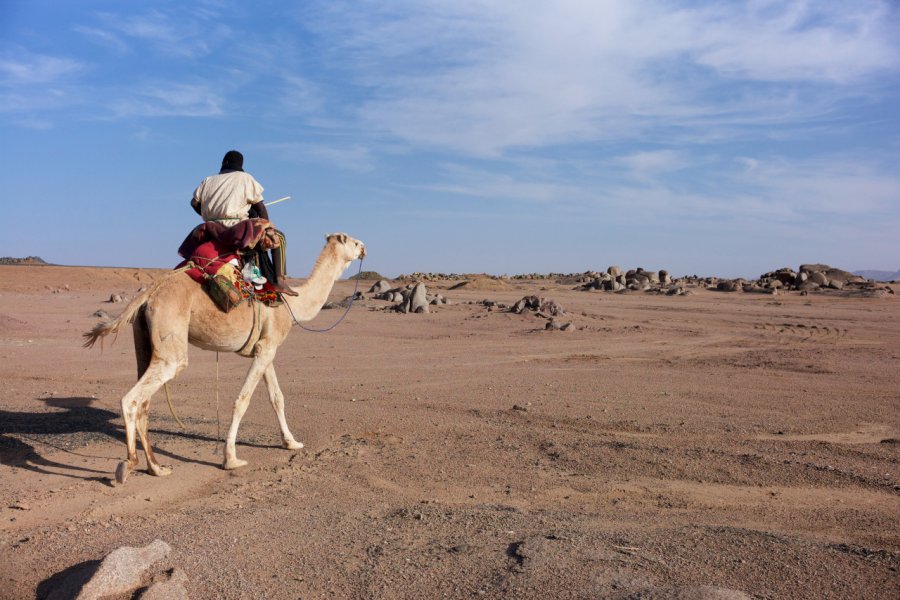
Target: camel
column 176, row 311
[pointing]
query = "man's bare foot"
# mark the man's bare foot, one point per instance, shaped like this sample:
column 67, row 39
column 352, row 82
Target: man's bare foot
column 283, row 289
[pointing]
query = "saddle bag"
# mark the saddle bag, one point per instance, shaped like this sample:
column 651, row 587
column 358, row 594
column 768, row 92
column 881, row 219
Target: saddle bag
column 224, row 292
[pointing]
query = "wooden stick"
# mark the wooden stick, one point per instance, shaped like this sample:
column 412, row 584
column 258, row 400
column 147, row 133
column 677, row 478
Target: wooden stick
column 277, row 201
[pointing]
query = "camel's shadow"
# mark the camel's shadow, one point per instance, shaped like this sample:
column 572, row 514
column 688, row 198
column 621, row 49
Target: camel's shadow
column 69, row 431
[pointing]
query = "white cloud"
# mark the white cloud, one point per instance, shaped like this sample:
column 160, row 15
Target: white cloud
column 486, row 77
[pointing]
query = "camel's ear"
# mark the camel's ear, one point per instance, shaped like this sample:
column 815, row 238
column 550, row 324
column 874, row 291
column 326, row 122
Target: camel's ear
column 342, row 238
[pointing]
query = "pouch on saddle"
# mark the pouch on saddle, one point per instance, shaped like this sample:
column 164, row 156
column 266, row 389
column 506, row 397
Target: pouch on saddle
column 213, row 249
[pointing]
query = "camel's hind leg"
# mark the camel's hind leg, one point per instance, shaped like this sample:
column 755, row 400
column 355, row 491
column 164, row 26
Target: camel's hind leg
column 261, row 362
column 135, row 409
column 277, row 400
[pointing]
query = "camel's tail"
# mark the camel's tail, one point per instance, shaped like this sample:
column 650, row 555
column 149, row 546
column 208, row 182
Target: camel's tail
column 101, row 330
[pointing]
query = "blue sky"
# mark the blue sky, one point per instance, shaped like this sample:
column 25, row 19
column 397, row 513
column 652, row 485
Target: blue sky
column 726, row 138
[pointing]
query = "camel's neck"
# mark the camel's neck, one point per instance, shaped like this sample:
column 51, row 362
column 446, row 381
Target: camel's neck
column 313, row 293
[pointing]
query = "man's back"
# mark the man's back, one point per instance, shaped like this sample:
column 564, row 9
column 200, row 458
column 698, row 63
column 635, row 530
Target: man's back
column 227, row 197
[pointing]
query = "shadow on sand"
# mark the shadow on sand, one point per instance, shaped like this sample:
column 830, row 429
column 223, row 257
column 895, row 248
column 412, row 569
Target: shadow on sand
column 70, row 429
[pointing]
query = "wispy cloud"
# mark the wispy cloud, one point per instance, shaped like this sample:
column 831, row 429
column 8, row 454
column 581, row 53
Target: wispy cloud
column 24, row 68
column 183, row 33
column 485, row 78
column 171, row 99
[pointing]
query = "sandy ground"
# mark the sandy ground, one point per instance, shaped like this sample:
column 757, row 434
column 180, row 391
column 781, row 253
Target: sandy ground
column 742, row 441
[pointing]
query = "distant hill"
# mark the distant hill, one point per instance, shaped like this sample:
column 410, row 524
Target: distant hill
column 28, row 260
column 366, row 275
column 879, row 275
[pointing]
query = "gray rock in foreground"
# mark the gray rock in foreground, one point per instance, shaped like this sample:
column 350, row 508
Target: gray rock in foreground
column 120, row 572
column 172, row 588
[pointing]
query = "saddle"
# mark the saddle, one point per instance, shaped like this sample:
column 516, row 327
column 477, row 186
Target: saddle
column 228, row 261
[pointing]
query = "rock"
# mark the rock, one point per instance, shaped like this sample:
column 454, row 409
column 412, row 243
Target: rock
column 115, row 298
column 701, row 592
column 527, row 302
column 614, row 271
column 551, row 307
column 729, row 286
column 808, row 286
column 812, row 268
column 380, row 287
column 836, row 284
column 818, row 277
column 415, row 301
column 171, row 589
column 122, row 571
column 839, row 275
column 101, row 314
column 664, row 277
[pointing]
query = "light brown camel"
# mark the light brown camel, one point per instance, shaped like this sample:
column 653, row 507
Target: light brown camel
column 176, row 311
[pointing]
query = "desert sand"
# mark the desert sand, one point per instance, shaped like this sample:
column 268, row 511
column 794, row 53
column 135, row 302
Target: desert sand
column 740, row 441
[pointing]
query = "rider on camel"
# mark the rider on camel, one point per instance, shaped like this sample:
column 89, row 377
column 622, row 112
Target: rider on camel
column 232, row 196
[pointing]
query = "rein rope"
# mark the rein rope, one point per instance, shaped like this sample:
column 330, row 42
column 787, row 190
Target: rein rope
column 349, row 306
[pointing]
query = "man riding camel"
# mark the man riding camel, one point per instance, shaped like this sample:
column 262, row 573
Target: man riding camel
column 233, row 196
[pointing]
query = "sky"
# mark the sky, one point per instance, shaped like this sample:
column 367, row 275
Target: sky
column 718, row 138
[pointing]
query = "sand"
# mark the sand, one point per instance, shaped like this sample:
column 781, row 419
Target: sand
column 742, row 441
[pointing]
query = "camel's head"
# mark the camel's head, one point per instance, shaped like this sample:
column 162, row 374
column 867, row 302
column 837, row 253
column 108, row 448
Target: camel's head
column 352, row 248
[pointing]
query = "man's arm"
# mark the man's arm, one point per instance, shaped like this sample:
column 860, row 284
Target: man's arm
column 259, row 210
column 195, row 204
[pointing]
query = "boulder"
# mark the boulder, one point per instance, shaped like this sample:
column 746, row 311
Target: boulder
column 121, row 572
column 614, row 271
column 172, row 588
column 729, row 286
column 812, row 268
column 808, row 286
column 416, row 301
column 380, row 287
column 839, row 275
column 817, row 277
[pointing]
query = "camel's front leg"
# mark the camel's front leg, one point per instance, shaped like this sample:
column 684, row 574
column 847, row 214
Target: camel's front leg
column 262, row 360
column 277, row 400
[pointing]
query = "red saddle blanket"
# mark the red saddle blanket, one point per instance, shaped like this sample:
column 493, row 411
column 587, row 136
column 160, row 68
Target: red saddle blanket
column 211, row 245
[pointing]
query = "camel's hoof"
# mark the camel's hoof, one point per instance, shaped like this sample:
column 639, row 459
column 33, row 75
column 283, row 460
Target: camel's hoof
column 122, row 472
column 292, row 444
column 160, row 471
column 234, row 464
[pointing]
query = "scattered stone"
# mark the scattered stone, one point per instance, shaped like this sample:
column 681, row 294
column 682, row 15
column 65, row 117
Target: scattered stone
column 116, row 298
column 540, row 305
column 101, row 314
column 554, row 325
